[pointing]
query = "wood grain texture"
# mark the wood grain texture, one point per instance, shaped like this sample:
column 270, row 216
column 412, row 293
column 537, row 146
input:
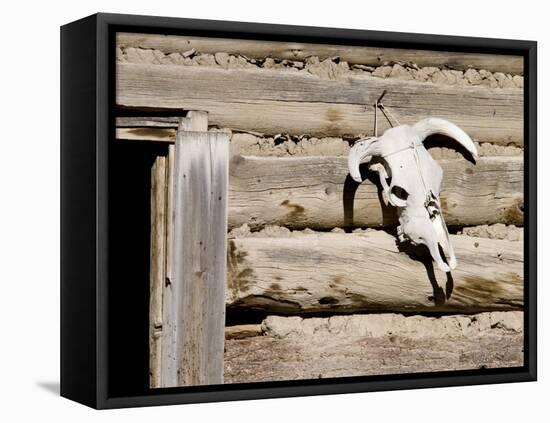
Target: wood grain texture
column 317, row 193
column 199, row 249
column 372, row 56
column 171, row 292
column 267, row 359
column 195, row 120
column 145, row 133
column 272, row 101
column 362, row 344
column 163, row 129
column 157, row 267
column 330, row 272
column 148, row 121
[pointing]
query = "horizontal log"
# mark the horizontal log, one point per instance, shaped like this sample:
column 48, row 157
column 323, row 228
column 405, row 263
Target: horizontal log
column 317, row 193
column 273, row 101
column 367, row 272
column 371, row 56
column 343, row 346
column 320, row 196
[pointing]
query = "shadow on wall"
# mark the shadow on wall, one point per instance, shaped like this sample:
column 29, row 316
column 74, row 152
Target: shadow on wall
column 348, row 197
column 422, row 254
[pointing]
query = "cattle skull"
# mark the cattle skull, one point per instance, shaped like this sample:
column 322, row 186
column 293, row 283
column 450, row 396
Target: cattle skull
column 411, row 181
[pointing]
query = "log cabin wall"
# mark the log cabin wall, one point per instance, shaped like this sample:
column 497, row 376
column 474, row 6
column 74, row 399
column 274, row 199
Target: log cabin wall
column 309, row 250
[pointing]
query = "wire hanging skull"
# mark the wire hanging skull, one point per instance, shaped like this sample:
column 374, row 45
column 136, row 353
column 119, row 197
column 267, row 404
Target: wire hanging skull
column 411, row 181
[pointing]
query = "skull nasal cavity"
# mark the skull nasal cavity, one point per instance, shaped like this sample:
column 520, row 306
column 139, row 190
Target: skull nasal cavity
column 400, row 192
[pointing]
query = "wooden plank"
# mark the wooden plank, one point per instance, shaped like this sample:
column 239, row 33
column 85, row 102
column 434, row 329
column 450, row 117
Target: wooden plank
column 365, row 55
column 157, row 268
column 147, row 134
column 360, row 345
column 148, row 121
column 172, row 297
column 159, row 128
column 171, row 291
column 272, row 102
column 268, row 359
column 195, row 120
column 347, row 273
column 199, row 251
column 317, row 193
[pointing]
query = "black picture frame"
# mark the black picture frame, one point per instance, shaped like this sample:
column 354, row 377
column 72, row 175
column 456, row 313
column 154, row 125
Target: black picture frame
column 87, row 102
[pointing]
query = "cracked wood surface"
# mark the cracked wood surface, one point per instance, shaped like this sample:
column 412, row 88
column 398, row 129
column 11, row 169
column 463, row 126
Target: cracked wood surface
column 317, row 193
column 266, row 359
column 192, row 340
column 335, row 272
column 159, row 179
column 273, row 102
column 373, row 344
column 364, row 55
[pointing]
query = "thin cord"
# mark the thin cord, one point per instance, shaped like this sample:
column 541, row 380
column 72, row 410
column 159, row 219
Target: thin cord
column 389, row 115
column 376, row 119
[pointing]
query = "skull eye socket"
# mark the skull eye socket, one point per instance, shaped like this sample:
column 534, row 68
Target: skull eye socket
column 400, row 192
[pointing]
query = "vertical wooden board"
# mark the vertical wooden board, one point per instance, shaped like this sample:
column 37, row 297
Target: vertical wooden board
column 217, row 283
column 199, row 257
column 196, row 120
column 157, row 267
column 169, row 358
column 192, row 182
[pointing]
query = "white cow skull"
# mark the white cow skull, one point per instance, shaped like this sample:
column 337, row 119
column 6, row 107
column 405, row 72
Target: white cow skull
column 414, row 181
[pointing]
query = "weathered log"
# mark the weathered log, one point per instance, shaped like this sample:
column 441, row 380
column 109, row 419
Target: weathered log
column 371, row 56
column 319, row 195
column 272, row 102
column 334, row 272
column 361, row 345
column 158, row 266
column 316, row 192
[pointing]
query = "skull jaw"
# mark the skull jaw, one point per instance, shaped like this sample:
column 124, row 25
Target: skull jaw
column 435, row 252
column 418, row 228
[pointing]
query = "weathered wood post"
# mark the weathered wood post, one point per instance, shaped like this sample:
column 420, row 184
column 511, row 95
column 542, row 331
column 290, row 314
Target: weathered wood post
column 196, row 230
column 158, row 265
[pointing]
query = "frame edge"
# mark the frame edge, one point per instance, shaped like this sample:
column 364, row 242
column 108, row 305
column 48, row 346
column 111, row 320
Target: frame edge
column 78, row 311
column 101, row 105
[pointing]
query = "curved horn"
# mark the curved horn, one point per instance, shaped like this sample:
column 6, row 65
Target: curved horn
column 431, row 126
column 362, row 151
